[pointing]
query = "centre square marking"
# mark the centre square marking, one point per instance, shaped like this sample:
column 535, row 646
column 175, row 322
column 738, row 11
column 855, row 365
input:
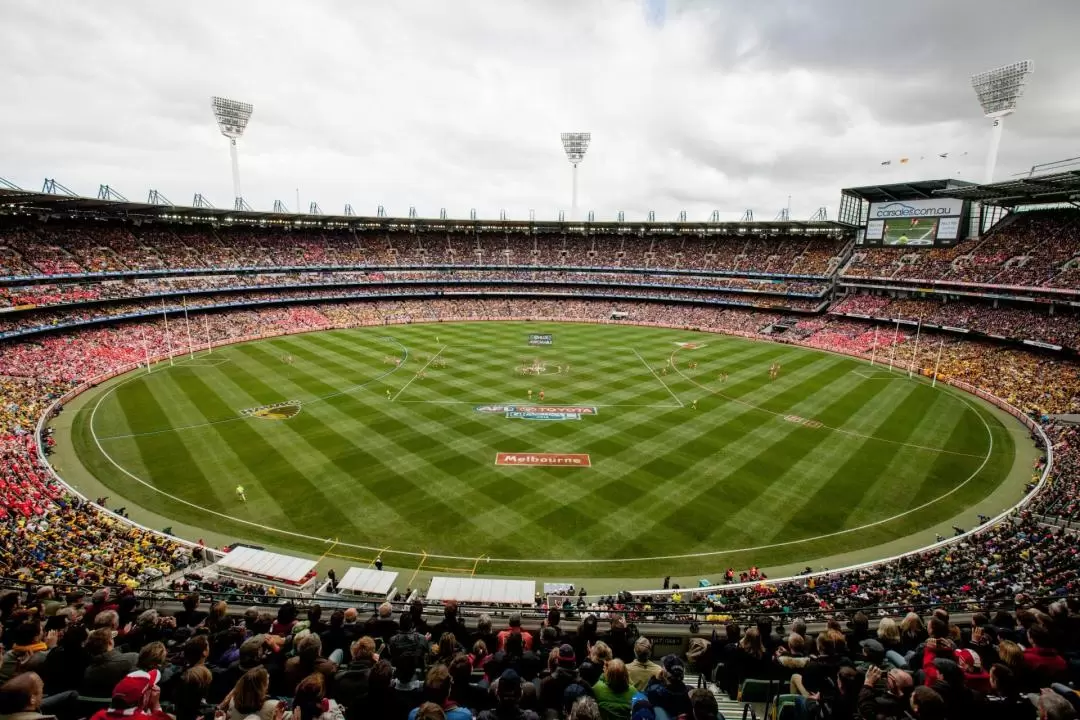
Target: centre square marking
column 544, row 459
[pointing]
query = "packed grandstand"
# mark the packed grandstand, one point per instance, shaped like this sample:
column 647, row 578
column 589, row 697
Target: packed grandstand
column 82, row 295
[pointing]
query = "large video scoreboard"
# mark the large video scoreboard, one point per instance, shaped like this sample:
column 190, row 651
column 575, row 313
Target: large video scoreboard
column 919, row 223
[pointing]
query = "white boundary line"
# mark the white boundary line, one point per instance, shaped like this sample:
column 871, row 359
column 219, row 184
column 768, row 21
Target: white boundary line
column 198, row 361
column 649, row 367
column 430, row 360
column 876, row 375
column 965, row 387
column 564, row 561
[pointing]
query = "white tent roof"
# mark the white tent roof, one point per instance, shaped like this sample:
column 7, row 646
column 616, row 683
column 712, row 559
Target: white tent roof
column 265, row 564
column 367, row 580
column 479, row 590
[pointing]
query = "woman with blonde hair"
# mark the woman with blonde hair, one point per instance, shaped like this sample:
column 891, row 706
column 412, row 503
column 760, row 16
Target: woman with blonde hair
column 888, row 634
column 1012, row 657
column 912, row 633
column 593, row 667
column 218, row 620
column 613, row 692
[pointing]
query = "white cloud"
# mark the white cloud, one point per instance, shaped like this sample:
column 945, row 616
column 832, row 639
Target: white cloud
column 459, row 104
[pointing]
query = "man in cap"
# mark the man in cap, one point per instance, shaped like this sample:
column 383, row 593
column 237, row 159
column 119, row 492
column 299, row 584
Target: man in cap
column 873, row 654
column 565, row 673
column 508, row 700
column 641, row 708
column 642, row 669
column 975, row 677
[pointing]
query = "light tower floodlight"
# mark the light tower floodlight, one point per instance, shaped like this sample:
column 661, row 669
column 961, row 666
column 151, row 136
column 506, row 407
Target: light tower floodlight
column 998, row 91
column 232, row 119
column 575, row 144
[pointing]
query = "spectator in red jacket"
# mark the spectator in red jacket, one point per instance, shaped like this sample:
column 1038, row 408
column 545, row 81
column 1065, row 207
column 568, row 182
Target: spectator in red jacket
column 975, row 677
column 515, row 629
column 936, row 647
column 1044, row 663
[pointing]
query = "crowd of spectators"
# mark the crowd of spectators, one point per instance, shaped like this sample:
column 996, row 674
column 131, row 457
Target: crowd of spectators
column 1028, row 249
column 1003, row 666
column 344, row 668
column 50, row 319
column 51, row 294
column 105, row 656
column 63, row 540
column 1062, row 501
column 71, row 246
column 50, row 535
column 1026, row 322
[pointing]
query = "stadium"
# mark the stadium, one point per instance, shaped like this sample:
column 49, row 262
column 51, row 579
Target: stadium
column 683, row 432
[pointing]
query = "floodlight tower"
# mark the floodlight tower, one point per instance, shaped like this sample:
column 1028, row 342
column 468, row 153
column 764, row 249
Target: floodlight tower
column 998, row 91
column 232, row 119
column 575, row 144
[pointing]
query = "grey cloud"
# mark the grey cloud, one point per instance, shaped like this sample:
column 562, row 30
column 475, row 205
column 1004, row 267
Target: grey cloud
column 723, row 105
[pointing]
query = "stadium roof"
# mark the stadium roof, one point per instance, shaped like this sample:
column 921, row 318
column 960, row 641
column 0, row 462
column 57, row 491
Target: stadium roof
column 264, row 564
column 367, row 581
column 919, row 190
column 1061, row 187
column 18, row 200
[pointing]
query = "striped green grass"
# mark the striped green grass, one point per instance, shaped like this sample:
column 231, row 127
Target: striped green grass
column 733, row 483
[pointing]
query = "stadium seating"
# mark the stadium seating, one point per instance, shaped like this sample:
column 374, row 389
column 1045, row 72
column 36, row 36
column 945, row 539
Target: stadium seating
column 1020, row 323
column 59, row 539
column 1029, row 249
column 57, row 247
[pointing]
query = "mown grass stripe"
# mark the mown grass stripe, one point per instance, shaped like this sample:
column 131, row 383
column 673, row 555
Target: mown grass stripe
column 663, row 479
column 277, row 475
column 862, row 469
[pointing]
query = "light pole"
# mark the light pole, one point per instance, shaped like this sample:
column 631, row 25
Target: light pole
column 232, row 119
column 575, row 144
column 998, row 91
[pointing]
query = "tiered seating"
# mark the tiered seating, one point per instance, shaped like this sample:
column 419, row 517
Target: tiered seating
column 1030, row 249
column 76, row 247
column 1028, row 322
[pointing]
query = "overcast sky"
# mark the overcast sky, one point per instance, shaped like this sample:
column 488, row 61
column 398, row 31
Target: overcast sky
column 692, row 104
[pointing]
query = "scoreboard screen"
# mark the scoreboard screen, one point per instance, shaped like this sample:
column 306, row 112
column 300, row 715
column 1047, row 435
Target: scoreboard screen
column 919, row 223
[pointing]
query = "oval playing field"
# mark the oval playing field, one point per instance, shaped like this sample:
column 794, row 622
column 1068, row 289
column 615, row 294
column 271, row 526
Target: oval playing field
column 421, row 441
